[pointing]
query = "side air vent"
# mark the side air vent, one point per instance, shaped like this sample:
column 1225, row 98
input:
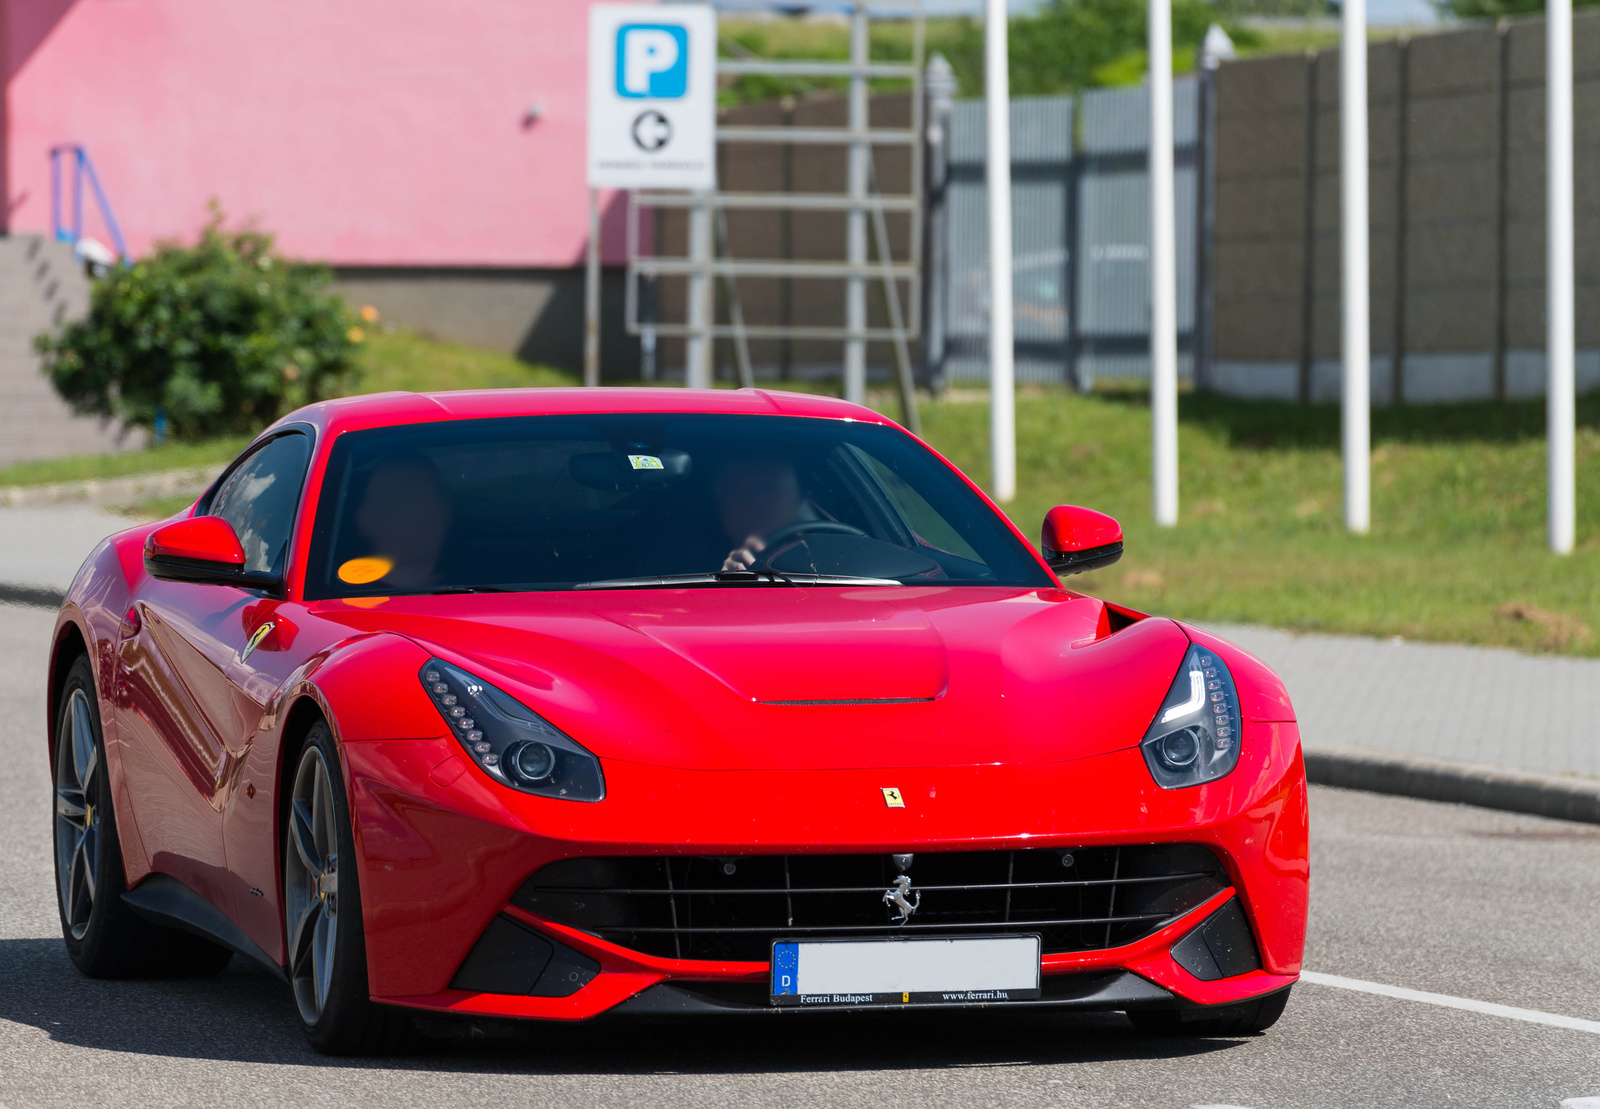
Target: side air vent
column 512, row 958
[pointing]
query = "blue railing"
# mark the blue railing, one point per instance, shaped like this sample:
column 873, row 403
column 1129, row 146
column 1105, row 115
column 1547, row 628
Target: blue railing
column 82, row 168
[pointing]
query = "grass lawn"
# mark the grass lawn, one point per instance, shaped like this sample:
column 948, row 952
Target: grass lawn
column 95, row 467
column 1457, row 546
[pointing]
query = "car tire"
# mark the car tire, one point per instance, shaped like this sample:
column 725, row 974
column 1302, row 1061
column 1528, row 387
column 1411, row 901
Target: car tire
column 1243, row 1019
column 327, row 953
column 104, row 937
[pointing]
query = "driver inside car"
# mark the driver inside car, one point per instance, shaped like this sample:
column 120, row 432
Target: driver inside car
column 755, row 498
column 404, row 518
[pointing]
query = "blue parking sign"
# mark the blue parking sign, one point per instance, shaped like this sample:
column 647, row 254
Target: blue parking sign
column 652, row 61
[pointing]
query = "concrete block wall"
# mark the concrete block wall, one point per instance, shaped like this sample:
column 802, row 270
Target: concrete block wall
column 41, row 285
column 1456, row 166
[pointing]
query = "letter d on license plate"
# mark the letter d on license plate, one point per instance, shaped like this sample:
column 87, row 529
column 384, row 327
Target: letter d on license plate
column 964, row 971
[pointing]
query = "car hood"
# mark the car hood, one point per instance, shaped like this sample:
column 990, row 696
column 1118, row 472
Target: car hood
column 808, row 677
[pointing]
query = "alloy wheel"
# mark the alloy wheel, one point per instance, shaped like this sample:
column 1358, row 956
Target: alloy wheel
column 311, row 885
column 77, row 818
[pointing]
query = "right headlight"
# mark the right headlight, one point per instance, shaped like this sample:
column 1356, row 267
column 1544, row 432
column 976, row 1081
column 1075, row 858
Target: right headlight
column 513, row 744
column 1195, row 735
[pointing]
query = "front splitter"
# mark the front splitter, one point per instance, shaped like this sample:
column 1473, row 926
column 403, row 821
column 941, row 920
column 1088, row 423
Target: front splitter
column 1110, row 989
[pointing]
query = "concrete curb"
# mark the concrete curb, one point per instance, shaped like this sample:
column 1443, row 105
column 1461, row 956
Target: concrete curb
column 111, row 491
column 34, row 596
column 1470, row 783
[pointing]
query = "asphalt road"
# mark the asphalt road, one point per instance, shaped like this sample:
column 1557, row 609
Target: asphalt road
column 1468, row 903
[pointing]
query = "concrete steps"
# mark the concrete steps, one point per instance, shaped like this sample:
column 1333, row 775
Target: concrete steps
column 40, row 285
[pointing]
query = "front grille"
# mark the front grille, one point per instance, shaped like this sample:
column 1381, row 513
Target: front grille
column 692, row 907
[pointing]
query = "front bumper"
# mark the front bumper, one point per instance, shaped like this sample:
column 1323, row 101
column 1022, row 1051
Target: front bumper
column 443, row 850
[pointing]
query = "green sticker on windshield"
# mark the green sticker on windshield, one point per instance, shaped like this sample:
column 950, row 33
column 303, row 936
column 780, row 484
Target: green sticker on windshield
column 645, row 462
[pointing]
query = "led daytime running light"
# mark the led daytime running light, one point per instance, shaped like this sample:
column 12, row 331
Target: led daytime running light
column 1195, row 736
column 509, row 741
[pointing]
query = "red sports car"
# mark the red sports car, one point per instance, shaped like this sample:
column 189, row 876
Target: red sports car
column 554, row 703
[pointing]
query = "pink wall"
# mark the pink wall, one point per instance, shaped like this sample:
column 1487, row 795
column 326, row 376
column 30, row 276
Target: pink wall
column 359, row 131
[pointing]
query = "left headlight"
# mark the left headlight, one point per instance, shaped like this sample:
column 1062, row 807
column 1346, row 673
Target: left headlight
column 1195, row 735
column 513, row 744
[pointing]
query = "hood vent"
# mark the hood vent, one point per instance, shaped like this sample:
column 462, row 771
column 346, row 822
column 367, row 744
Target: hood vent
column 859, row 701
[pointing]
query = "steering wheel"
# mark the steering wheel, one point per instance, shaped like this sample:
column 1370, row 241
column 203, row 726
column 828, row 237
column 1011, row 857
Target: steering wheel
column 784, row 534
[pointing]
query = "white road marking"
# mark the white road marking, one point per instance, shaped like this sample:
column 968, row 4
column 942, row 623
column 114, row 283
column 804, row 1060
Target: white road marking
column 1247, row 1107
column 1488, row 1008
column 1580, row 1103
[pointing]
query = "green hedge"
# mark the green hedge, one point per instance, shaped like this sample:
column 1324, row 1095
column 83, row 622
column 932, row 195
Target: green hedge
column 222, row 337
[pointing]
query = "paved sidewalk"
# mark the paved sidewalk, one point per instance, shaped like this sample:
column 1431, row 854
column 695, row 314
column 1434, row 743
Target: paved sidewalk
column 42, row 548
column 1437, row 700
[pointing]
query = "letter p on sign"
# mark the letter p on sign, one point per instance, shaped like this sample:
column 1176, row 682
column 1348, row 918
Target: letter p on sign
column 652, row 61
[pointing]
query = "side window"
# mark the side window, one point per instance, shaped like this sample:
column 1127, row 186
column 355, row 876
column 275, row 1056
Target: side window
column 260, row 497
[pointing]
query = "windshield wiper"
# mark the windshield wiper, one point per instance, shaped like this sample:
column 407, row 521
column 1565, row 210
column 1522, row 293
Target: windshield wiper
column 733, row 577
column 446, row 590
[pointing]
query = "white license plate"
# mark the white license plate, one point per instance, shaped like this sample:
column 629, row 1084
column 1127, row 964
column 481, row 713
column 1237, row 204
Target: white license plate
column 961, row 971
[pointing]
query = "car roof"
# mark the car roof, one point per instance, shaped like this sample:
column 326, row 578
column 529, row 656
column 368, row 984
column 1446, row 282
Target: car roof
column 391, row 409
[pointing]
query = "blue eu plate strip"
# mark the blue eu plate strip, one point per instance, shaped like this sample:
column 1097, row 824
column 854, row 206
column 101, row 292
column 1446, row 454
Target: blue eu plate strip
column 785, row 968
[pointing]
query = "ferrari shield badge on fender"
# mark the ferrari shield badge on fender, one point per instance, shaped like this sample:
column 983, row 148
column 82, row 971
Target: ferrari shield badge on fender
column 892, row 798
column 255, row 640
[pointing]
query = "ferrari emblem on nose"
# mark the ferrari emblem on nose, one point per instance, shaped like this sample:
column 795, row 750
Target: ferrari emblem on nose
column 892, row 798
column 895, row 897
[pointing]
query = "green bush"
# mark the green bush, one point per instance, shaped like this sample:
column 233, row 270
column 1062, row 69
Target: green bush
column 1062, row 46
column 222, row 337
column 1069, row 45
column 1494, row 9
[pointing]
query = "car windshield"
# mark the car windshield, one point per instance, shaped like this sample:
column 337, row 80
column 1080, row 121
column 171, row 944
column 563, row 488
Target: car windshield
column 649, row 500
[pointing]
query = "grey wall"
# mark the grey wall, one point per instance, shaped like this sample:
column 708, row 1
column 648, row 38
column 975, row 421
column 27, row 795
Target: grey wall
column 1456, row 149
column 41, row 285
column 534, row 314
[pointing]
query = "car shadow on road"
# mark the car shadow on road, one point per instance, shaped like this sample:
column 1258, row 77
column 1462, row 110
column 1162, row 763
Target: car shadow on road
column 246, row 1015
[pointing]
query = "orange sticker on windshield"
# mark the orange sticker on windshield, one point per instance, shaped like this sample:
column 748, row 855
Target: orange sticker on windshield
column 360, row 571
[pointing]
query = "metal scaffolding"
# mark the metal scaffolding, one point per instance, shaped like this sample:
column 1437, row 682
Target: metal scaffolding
column 865, row 256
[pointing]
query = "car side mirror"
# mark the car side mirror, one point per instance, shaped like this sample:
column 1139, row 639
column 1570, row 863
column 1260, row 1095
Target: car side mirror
column 201, row 549
column 1077, row 539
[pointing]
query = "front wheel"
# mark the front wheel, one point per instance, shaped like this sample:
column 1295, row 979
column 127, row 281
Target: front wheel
column 322, row 912
column 104, row 937
column 1243, row 1019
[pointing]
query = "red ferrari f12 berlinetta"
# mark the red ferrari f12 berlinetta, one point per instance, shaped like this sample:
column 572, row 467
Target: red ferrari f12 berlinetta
column 545, row 704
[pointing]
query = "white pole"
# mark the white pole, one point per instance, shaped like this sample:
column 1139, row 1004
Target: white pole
column 1163, row 273
column 855, row 304
column 697, row 349
column 1002, row 373
column 1561, row 337
column 1356, row 342
column 591, row 295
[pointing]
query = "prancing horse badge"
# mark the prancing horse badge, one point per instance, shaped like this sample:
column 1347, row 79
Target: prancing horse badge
column 892, row 798
column 255, row 640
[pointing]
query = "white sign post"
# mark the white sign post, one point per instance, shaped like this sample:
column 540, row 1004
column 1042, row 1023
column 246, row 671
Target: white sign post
column 1560, row 314
column 1002, row 368
column 652, row 124
column 1163, row 273
column 1356, row 421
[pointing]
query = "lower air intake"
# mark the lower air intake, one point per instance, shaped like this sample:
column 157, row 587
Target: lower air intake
column 732, row 909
